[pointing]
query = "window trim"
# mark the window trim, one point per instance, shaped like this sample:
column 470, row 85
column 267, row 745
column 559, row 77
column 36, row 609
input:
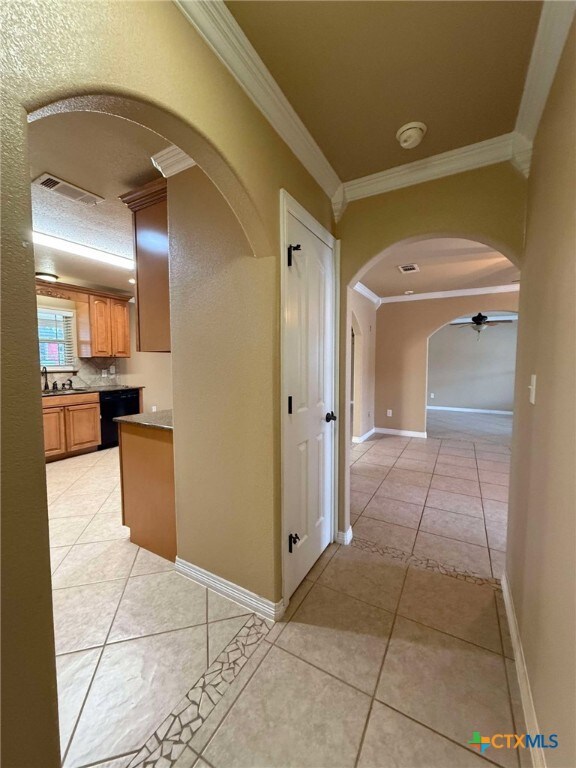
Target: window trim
column 73, row 368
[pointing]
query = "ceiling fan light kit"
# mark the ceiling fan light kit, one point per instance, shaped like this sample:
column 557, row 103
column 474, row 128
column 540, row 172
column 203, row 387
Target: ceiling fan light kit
column 411, row 134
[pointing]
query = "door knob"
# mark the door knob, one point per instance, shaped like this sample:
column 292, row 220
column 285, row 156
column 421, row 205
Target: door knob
column 331, row 417
column 293, row 539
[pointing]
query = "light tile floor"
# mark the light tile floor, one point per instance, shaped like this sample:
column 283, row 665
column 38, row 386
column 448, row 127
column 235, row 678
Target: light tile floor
column 392, row 651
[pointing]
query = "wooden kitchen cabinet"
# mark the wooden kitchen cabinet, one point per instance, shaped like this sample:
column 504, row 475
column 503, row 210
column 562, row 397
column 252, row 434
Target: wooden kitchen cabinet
column 100, row 326
column 102, row 319
column 82, row 426
column 54, row 431
column 71, row 424
column 149, row 206
column 120, row 328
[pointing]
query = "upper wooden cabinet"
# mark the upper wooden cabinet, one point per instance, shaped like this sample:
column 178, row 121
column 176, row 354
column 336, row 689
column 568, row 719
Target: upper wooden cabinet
column 150, row 212
column 102, row 319
column 100, row 327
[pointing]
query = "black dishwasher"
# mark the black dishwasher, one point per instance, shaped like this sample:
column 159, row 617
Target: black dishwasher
column 118, row 402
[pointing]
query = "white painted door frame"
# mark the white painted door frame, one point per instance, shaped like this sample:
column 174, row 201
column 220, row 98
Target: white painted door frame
column 288, row 205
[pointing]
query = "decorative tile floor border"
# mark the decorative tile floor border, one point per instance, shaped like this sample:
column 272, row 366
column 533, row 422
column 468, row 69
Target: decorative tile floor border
column 168, row 745
column 425, row 563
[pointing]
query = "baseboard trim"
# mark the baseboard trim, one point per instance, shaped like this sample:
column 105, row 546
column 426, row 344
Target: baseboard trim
column 401, row 432
column 260, row 605
column 344, row 537
column 536, row 753
column 467, row 410
column 363, row 437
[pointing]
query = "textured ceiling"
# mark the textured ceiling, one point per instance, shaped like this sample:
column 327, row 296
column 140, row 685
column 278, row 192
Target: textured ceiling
column 356, row 71
column 446, row 264
column 105, row 155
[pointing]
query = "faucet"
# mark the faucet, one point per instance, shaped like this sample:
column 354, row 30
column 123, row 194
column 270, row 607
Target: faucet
column 44, row 372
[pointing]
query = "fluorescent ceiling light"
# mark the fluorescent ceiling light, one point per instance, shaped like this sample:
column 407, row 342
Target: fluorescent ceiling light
column 82, row 250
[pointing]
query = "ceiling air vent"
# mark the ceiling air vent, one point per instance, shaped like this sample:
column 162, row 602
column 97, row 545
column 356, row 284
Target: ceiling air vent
column 406, row 268
column 65, row 189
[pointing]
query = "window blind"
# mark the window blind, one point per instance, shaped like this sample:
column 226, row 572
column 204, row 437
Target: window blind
column 56, row 338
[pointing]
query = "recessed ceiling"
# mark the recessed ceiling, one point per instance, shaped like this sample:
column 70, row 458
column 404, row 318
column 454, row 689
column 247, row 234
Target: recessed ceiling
column 446, row 264
column 357, row 71
column 102, row 154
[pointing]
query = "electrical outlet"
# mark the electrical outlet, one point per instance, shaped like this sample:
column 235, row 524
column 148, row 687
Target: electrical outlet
column 104, row 373
column 154, row 408
column 389, row 412
column 432, row 395
column 112, row 370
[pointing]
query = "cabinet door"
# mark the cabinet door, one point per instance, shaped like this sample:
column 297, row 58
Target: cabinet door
column 54, row 431
column 120, row 322
column 82, row 426
column 100, row 326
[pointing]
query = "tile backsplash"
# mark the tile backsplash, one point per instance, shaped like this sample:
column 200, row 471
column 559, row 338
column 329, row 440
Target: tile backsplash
column 88, row 373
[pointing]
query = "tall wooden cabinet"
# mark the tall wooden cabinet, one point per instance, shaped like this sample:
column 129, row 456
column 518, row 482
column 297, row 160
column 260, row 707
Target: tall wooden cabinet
column 100, row 326
column 149, row 207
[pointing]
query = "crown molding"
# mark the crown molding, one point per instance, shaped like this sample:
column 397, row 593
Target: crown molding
column 367, row 293
column 451, row 294
column 218, row 27
column 171, row 161
column 509, row 146
column 553, row 27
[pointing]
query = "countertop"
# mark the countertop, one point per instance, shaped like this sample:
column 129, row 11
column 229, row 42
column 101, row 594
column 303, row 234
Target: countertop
column 155, row 420
column 88, row 390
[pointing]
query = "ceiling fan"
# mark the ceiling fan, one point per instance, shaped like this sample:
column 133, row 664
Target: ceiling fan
column 479, row 322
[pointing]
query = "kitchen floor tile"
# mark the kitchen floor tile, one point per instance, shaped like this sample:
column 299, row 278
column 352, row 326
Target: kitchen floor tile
column 323, row 560
column 101, row 561
column 340, row 635
column 452, row 470
column 322, row 726
column 416, row 465
column 448, row 684
column 364, row 484
column 496, row 535
column 369, row 470
column 104, row 528
column 73, row 672
column 67, row 530
column 220, row 633
column 358, row 501
column 495, row 478
column 137, row 684
column 148, row 562
column 497, row 511
column 57, row 554
column 156, row 603
column 221, row 608
column 410, row 476
column 83, row 615
column 494, row 492
column 74, row 506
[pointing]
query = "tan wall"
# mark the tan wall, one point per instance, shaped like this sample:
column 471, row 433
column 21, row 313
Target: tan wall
column 224, row 389
column 467, row 370
column 153, row 370
column 363, row 320
column 402, row 331
column 151, row 67
column 542, row 520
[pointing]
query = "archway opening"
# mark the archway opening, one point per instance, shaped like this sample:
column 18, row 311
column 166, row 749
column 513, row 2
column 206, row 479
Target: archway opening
column 412, row 290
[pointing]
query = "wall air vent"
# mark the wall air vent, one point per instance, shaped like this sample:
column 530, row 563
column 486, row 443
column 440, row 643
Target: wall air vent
column 406, row 268
column 67, row 190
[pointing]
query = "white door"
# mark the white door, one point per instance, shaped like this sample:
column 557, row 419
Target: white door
column 308, row 394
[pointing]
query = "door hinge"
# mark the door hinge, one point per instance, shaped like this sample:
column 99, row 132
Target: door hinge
column 290, row 405
column 292, row 248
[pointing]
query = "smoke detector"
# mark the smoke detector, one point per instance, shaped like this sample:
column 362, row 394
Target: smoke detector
column 407, row 268
column 54, row 184
column 411, row 134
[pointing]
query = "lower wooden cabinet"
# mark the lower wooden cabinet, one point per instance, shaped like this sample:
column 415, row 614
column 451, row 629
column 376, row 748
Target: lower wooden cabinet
column 82, row 426
column 71, row 426
column 54, row 432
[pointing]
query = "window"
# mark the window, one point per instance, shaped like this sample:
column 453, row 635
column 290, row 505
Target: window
column 56, row 339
